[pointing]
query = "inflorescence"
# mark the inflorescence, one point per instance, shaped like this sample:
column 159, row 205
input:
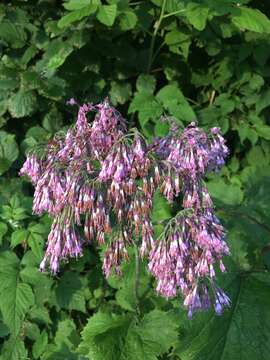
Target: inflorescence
column 101, row 178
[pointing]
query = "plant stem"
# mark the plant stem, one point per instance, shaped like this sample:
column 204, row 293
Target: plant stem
column 137, row 279
column 174, row 13
column 152, row 44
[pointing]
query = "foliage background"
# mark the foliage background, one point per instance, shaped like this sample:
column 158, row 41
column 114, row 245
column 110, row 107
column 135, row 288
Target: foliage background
column 203, row 59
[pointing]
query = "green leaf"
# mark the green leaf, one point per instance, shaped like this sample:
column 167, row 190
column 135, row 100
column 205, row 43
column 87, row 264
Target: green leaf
column 14, row 349
column 197, row 15
column 102, row 336
column 128, row 20
column 40, row 345
column 19, row 236
column 147, row 106
column 107, row 14
column 20, row 295
column 69, row 292
column 77, row 15
column 146, row 84
column 58, row 59
column 241, row 333
column 120, row 92
column 263, row 131
column 76, row 4
column 14, row 35
column 3, row 231
column 229, row 194
column 23, row 103
column 145, row 342
column 251, row 19
column 178, row 42
column 8, row 151
column 173, row 100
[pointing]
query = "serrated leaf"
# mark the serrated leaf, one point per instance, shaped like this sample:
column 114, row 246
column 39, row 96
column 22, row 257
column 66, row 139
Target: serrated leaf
column 20, row 296
column 3, row 230
column 242, row 332
column 40, row 345
column 120, row 92
column 102, row 336
column 8, row 151
column 69, row 292
column 251, row 19
column 146, row 84
column 178, row 42
column 19, row 236
column 14, row 349
column 16, row 36
column 23, row 103
column 145, row 342
column 106, row 14
column 197, row 15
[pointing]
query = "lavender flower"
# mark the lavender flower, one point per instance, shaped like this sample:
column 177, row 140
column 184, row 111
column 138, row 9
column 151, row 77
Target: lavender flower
column 98, row 174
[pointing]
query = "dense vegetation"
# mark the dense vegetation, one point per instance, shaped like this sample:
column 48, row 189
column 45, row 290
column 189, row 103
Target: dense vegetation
column 202, row 59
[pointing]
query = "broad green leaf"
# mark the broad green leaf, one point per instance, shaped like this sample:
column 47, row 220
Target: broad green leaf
column 173, row 100
column 106, row 14
column 102, row 337
column 229, row 194
column 178, row 42
column 197, row 15
column 263, row 131
column 128, row 20
column 120, row 92
column 76, row 4
column 58, row 59
column 241, row 333
column 125, row 293
column 147, row 106
column 69, row 292
column 19, row 236
column 146, row 84
column 3, row 230
column 12, row 34
column 20, row 295
column 22, row 104
column 251, row 19
column 8, row 151
column 14, row 349
column 40, row 345
column 77, row 15
column 143, row 341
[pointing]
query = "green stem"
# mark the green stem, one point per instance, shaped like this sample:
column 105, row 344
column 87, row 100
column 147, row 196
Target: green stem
column 174, row 13
column 137, row 279
column 152, row 44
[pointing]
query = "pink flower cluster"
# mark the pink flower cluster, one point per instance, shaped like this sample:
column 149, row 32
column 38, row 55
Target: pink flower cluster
column 102, row 178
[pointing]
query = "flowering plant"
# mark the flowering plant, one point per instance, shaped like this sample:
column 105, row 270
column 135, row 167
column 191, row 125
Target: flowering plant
column 101, row 177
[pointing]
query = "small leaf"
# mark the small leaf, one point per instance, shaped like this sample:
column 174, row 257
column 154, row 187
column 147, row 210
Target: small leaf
column 40, row 345
column 76, row 15
column 107, row 14
column 197, row 15
column 19, row 236
column 128, row 20
column 22, row 104
column 173, row 99
column 8, row 151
